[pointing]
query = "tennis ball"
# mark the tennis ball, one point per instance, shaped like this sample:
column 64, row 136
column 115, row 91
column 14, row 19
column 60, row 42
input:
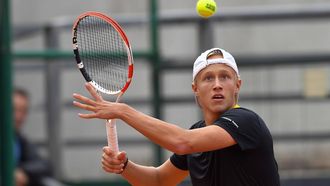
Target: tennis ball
column 206, row 8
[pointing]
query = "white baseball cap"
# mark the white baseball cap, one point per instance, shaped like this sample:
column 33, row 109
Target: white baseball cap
column 202, row 61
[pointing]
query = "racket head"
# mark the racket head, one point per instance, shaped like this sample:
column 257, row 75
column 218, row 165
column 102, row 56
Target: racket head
column 102, row 52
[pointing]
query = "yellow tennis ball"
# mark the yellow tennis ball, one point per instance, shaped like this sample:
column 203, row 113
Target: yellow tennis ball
column 206, row 8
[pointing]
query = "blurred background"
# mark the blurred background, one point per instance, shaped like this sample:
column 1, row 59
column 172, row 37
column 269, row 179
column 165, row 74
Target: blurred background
column 282, row 48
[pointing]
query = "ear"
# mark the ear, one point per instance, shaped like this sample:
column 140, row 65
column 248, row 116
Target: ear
column 238, row 85
column 194, row 88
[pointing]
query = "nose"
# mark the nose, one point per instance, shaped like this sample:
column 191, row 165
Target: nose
column 217, row 84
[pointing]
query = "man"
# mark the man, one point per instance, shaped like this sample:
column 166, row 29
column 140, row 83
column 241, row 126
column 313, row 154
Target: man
column 30, row 169
column 231, row 146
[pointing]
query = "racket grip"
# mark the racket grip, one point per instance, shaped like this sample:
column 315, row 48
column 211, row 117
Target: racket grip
column 112, row 135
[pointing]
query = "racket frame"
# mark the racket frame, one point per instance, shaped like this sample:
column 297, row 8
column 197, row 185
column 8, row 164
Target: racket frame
column 80, row 63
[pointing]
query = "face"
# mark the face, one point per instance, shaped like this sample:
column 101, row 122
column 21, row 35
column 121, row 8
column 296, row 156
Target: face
column 20, row 110
column 216, row 88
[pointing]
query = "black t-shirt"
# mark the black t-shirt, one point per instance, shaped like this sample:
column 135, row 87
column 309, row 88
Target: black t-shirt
column 250, row 162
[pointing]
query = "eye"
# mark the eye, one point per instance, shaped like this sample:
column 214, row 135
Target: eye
column 225, row 77
column 208, row 78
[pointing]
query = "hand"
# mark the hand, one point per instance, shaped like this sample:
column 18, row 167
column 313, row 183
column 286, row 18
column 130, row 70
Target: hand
column 21, row 179
column 102, row 109
column 112, row 162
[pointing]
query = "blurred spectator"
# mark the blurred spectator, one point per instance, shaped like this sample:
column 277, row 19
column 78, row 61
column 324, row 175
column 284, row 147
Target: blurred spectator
column 31, row 169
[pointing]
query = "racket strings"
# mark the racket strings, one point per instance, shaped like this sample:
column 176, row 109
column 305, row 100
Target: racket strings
column 103, row 53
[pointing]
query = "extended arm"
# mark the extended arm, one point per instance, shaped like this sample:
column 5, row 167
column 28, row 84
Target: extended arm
column 174, row 138
column 167, row 135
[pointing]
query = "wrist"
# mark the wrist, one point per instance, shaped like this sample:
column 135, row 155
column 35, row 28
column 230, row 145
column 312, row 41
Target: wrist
column 120, row 111
column 123, row 111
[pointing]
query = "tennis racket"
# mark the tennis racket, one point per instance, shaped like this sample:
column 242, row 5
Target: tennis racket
column 104, row 58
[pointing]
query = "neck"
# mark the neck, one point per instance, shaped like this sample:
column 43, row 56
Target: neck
column 211, row 117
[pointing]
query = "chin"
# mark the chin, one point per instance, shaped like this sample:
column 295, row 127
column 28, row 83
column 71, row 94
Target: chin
column 220, row 109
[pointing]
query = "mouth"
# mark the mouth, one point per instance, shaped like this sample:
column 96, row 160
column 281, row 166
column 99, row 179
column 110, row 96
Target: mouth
column 218, row 97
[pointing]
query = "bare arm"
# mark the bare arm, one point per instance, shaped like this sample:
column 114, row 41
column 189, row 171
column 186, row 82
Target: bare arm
column 165, row 175
column 167, row 135
column 174, row 138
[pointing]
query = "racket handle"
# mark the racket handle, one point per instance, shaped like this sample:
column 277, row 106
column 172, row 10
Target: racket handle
column 112, row 135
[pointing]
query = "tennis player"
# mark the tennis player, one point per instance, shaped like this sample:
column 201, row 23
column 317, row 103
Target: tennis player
column 231, row 146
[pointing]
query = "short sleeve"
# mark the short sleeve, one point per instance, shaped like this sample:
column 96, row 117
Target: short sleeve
column 179, row 161
column 243, row 125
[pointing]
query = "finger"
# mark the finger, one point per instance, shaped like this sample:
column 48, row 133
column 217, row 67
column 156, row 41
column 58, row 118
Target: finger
column 88, row 116
column 93, row 92
column 84, row 99
column 106, row 169
column 110, row 164
column 112, row 160
column 84, row 106
column 108, row 151
column 122, row 156
column 117, row 171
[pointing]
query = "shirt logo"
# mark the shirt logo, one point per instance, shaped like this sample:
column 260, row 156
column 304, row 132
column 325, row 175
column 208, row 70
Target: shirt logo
column 233, row 122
